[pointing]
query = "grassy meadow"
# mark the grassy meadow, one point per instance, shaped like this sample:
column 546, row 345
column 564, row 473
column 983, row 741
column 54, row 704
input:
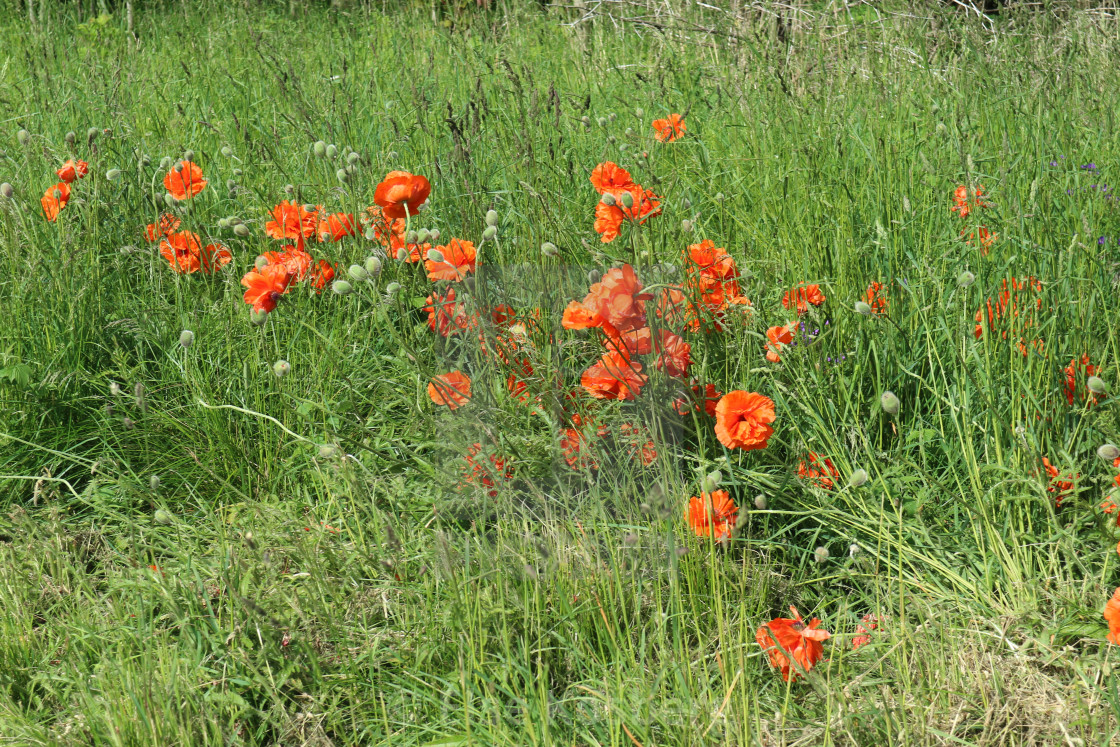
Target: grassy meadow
column 267, row 532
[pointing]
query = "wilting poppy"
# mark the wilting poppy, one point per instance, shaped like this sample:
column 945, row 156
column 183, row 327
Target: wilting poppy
column 1112, row 615
column 817, row 469
column 265, row 286
column 614, row 377
column 743, row 420
column 668, row 130
column 712, row 515
column 165, row 226
column 793, row 646
column 458, row 261
column 72, row 170
column 54, row 200
column 452, row 389
column 184, row 180
column 401, row 194
column 291, row 221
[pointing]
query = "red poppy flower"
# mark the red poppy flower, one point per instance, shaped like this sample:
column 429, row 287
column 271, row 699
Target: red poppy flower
column 182, row 251
column 777, row 338
column 743, row 420
column 792, row 646
column 1112, row 615
column 609, row 218
column 184, row 180
column 1080, row 369
column 401, row 194
column 1011, row 306
column 477, row 472
column 802, row 296
column 614, row 377
column 867, row 624
column 639, row 444
column 964, row 203
column 166, row 225
column 458, row 260
column 668, row 130
column 986, row 239
column 712, row 261
column 877, row 298
column 296, row 260
column 452, row 389
column 817, row 469
column 1062, row 488
column 676, row 310
column 628, row 344
column 712, row 515
column 705, row 398
column 573, row 446
column 72, row 170
column 213, row 256
column 291, row 221
column 336, row 227
column 609, row 177
column 265, row 286
column 54, row 200
column 321, row 273
column 443, row 311
column 619, row 300
column 674, row 355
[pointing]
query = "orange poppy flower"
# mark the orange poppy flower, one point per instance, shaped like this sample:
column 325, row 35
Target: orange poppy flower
column 802, row 296
column 336, row 227
column 986, row 239
column 443, row 311
column 182, row 251
column 777, row 338
column 712, row 261
column 877, row 298
column 1116, row 465
column 54, row 200
column 72, row 170
column 296, row 260
column 674, row 355
column 166, row 225
column 792, row 646
column 712, row 515
column 619, row 300
column 867, row 624
column 1112, row 615
column 452, row 389
column 291, row 221
column 1062, row 488
column 964, row 203
column 1080, row 369
column 668, row 130
column 743, row 420
column 609, row 177
column 322, row 272
column 573, row 447
column 634, row 342
column 184, row 180
column 265, row 286
column 458, row 260
column 639, row 444
column 614, row 377
column 213, row 256
column 818, row 469
column 609, row 218
column 1008, row 306
column 477, row 472
column 705, row 398
column 401, row 194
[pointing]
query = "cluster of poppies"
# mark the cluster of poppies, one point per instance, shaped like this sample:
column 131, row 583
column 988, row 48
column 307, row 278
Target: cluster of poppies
column 183, row 250
column 56, row 197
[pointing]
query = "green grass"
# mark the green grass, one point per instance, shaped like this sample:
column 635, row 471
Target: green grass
column 216, row 555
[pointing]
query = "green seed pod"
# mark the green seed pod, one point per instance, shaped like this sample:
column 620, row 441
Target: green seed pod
column 71, row 137
column 319, row 148
column 594, row 276
column 639, row 112
column 91, row 134
column 863, row 308
column 7, row 191
column 491, row 218
column 435, row 255
column 607, row 199
column 711, row 481
column 329, row 451
column 357, row 273
column 241, row 230
column 890, row 403
column 342, row 288
column 858, row 478
column 186, row 338
column 392, row 289
column 373, row 266
column 820, row 554
column 153, row 483
column 422, row 236
column 165, row 162
column 231, row 185
column 353, row 158
column 1108, row 452
column 188, row 155
column 24, row 137
column 627, row 200
column 113, row 174
column 342, row 176
column 261, row 262
column 1096, row 385
column 611, row 139
column 760, row 502
column 966, row 279
column 686, row 225
column 402, row 254
column 227, row 151
column 169, row 201
column 489, row 233
column 686, row 203
column 281, row 368
column 434, row 233
column 549, row 249
column 332, row 151
column 161, row 516
column 370, row 233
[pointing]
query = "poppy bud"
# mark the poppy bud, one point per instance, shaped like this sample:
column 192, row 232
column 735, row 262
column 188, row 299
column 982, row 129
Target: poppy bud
column 549, row 249
column 391, row 155
column 584, row 120
column 890, row 403
column 24, row 137
column 258, row 318
column 7, row 190
column 435, row 255
column 71, row 137
column 329, row 451
column 161, row 516
column 392, row 289
column 1096, row 385
column 711, row 481
column 357, row 273
column 608, row 200
column 601, row 121
column 612, row 116
column 434, row 234
column 854, row 550
column 319, row 148
column 281, row 368
column 594, row 276
column 760, row 502
column 489, row 233
column 223, row 222
column 332, row 150
column 686, row 225
column 422, row 236
column 91, row 134
column 966, row 279
column 402, row 254
column 858, row 478
column 113, row 174
column 370, row 233
column 227, row 151
column 186, row 338
column 169, row 200
column 153, row 483
column 491, row 218
column 611, row 139
column 720, row 198
column 1108, row 452
column 143, row 159
column 353, row 158
column 863, row 308
column 639, row 112
column 351, row 169
column 627, row 200
column 820, row 554
column 342, row 176
column 188, row 155
column 373, row 266
column 622, row 147
column 289, row 189
column 261, row 262
column 114, row 389
column 238, row 172
column 241, row 230
column 165, row 162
